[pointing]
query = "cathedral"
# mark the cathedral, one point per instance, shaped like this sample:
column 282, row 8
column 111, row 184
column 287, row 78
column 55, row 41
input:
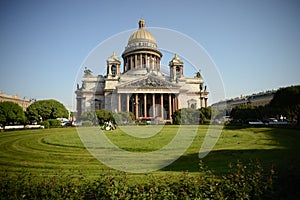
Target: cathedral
column 141, row 87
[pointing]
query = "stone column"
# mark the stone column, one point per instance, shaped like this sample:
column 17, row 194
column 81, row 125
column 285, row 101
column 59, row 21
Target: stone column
column 127, row 102
column 119, row 102
column 170, row 106
column 159, row 63
column 162, row 105
column 108, row 69
column 153, row 105
column 145, row 105
column 141, row 60
column 173, row 103
column 135, row 61
column 151, row 62
column 147, row 60
column 181, row 71
column 178, row 102
column 200, row 101
column 136, row 107
column 131, row 61
column 126, row 65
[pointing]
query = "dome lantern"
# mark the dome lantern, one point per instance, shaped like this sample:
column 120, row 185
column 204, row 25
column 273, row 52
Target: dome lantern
column 141, row 23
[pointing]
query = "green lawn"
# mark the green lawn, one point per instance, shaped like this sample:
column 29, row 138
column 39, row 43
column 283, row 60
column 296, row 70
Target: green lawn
column 49, row 151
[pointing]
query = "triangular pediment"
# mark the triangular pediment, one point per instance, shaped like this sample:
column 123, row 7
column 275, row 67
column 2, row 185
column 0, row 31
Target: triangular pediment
column 149, row 82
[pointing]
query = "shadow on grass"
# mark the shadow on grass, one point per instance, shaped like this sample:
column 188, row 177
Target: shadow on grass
column 286, row 147
column 284, row 157
column 219, row 160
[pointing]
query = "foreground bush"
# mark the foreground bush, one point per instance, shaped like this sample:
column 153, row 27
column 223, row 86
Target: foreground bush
column 250, row 181
column 52, row 123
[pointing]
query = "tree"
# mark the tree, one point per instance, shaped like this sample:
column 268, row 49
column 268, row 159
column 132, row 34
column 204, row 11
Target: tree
column 103, row 116
column 245, row 112
column 287, row 101
column 206, row 111
column 11, row 113
column 188, row 116
column 89, row 116
column 123, row 118
column 46, row 109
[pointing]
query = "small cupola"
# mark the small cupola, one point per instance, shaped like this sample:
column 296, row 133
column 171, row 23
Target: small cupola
column 113, row 66
column 176, row 68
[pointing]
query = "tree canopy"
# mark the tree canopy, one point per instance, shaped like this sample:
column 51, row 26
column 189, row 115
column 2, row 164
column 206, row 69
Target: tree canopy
column 46, row 109
column 245, row 112
column 11, row 113
column 190, row 116
column 287, row 101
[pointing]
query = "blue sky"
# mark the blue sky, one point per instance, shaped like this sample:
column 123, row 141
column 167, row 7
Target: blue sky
column 43, row 44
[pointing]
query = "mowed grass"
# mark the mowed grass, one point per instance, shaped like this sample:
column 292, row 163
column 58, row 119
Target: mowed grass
column 48, row 152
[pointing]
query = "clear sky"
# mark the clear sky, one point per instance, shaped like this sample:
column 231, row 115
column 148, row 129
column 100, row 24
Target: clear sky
column 43, row 44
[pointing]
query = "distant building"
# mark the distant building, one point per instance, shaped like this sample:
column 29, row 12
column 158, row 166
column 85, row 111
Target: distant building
column 141, row 87
column 24, row 103
column 259, row 99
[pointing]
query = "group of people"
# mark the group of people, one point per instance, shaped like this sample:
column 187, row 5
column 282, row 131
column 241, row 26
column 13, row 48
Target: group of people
column 108, row 126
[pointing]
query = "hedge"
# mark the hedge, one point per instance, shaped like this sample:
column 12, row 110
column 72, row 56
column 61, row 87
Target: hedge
column 250, row 181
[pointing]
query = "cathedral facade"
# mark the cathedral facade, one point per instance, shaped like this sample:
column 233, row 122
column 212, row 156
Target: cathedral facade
column 141, row 87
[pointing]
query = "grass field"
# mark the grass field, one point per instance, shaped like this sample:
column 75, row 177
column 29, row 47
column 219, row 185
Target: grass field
column 54, row 164
column 47, row 151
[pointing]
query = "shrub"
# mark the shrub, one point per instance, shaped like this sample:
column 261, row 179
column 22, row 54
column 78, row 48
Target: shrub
column 188, row 116
column 46, row 124
column 249, row 181
column 123, row 118
column 87, row 123
column 103, row 116
column 53, row 123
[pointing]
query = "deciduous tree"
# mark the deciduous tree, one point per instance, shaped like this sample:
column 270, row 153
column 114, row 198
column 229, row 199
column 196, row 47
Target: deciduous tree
column 287, row 101
column 245, row 112
column 46, row 109
column 11, row 113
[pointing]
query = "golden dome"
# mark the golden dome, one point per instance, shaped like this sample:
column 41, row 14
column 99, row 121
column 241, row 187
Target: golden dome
column 141, row 36
column 176, row 59
column 141, row 40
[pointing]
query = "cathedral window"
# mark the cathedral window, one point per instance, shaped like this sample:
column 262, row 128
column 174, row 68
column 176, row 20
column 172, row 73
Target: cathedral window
column 113, row 70
column 178, row 71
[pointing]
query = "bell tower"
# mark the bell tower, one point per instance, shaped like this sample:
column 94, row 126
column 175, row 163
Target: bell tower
column 176, row 68
column 113, row 66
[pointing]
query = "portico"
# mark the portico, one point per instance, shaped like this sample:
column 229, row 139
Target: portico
column 149, row 105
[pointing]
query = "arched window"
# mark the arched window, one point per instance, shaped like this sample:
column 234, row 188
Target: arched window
column 178, row 71
column 192, row 103
column 113, row 70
